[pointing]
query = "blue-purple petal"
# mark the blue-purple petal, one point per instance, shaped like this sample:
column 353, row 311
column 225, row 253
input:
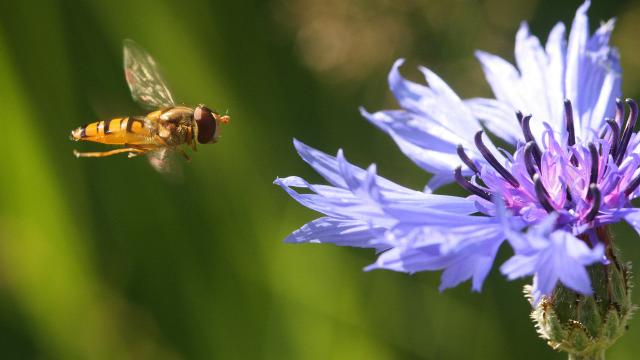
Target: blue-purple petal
column 554, row 257
column 342, row 232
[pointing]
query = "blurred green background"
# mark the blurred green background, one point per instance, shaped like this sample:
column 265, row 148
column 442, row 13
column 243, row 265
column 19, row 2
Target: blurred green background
column 104, row 258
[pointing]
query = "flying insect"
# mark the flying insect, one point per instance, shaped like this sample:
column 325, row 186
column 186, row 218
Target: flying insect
column 162, row 131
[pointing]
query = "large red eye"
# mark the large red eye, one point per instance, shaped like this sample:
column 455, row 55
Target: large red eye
column 206, row 124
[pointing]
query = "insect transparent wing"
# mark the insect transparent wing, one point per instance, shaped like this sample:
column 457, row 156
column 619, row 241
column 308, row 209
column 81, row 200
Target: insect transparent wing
column 165, row 162
column 145, row 82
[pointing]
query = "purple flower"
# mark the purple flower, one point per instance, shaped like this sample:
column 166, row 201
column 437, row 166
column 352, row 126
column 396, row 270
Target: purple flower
column 572, row 169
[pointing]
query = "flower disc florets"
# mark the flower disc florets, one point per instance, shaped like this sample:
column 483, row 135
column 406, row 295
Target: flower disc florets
column 587, row 185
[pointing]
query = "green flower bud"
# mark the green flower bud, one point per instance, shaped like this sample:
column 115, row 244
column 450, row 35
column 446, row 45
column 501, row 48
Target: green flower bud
column 585, row 326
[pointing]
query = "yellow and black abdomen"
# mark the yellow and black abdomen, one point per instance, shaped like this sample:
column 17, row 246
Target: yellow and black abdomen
column 117, row 131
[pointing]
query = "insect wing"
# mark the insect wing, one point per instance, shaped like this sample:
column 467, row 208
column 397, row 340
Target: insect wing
column 164, row 161
column 145, row 82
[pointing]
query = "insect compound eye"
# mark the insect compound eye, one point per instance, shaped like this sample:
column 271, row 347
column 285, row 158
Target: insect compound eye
column 206, row 124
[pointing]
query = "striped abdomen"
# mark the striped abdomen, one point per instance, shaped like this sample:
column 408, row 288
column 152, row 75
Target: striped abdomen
column 117, row 131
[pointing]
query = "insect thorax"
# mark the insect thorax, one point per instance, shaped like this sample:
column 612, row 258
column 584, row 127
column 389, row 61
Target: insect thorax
column 176, row 125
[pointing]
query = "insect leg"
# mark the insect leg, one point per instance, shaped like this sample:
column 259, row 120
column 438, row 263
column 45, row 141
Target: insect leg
column 108, row 153
column 142, row 149
column 161, row 140
column 184, row 154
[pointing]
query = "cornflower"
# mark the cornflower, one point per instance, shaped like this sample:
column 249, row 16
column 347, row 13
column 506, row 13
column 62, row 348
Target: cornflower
column 572, row 170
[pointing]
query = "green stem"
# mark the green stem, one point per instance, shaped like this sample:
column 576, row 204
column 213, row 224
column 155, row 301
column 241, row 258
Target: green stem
column 599, row 355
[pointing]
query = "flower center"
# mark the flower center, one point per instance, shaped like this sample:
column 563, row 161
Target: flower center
column 579, row 180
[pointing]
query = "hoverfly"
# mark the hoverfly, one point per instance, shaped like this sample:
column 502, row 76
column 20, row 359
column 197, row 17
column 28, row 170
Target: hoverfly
column 160, row 132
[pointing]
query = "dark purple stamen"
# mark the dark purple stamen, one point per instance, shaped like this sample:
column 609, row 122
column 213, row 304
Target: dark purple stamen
column 519, row 116
column 628, row 130
column 467, row 185
column 595, row 196
column 526, row 128
column 528, row 159
column 615, row 135
column 569, row 201
column 530, row 166
column 528, row 136
column 568, row 114
column 541, row 193
column 571, row 130
column 633, row 185
column 467, row 160
column 493, row 161
column 619, row 112
column 593, row 151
